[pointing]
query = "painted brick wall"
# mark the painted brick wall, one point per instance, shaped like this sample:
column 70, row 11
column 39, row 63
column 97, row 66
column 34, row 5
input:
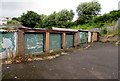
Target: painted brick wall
column 94, row 36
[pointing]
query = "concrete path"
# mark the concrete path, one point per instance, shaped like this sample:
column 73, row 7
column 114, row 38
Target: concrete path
column 100, row 61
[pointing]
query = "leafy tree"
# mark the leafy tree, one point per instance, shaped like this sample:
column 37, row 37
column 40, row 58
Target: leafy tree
column 40, row 25
column 17, row 19
column 112, row 16
column 87, row 11
column 58, row 19
column 34, row 20
column 103, row 31
column 64, row 16
column 69, row 24
column 30, row 19
column 11, row 22
column 49, row 20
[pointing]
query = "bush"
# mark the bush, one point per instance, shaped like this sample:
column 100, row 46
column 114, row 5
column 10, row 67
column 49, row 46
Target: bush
column 69, row 24
column 112, row 16
column 103, row 31
column 118, row 31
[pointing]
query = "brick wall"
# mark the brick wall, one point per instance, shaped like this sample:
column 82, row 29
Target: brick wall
column 94, row 36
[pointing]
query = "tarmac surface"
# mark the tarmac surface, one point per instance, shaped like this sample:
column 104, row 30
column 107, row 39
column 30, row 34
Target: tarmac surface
column 99, row 61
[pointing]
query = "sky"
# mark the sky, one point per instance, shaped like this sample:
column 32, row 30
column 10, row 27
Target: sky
column 15, row 8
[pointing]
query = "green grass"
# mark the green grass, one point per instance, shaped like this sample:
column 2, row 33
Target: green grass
column 93, row 25
column 110, row 24
column 117, row 33
column 84, row 27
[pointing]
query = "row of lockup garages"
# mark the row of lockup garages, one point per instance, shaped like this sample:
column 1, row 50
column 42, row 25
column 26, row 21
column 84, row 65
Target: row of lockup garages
column 34, row 41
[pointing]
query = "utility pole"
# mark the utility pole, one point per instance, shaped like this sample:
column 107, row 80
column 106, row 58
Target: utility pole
column 119, row 5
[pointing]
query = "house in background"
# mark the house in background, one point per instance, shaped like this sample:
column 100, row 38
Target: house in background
column 3, row 20
column 13, row 26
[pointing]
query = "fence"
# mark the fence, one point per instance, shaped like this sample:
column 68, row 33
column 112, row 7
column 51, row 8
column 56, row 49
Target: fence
column 110, row 28
column 32, row 41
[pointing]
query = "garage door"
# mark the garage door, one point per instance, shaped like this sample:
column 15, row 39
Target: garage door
column 34, row 43
column 69, row 40
column 55, row 41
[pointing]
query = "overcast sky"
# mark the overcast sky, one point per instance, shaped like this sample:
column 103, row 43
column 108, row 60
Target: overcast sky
column 15, row 8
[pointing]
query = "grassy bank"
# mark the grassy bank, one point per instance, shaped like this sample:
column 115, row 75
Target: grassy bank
column 93, row 25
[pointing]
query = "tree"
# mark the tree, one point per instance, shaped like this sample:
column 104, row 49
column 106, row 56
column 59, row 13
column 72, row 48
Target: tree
column 17, row 19
column 58, row 19
column 112, row 16
column 87, row 10
column 64, row 16
column 11, row 22
column 49, row 20
column 30, row 19
column 41, row 25
column 34, row 20
column 69, row 24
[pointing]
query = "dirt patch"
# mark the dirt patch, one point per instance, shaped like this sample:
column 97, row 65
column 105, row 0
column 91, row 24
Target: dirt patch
column 112, row 39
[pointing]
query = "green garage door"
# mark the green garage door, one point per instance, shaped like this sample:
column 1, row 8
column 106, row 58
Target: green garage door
column 83, row 37
column 1, row 42
column 34, row 43
column 7, row 41
column 55, row 41
column 86, row 37
column 69, row 40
